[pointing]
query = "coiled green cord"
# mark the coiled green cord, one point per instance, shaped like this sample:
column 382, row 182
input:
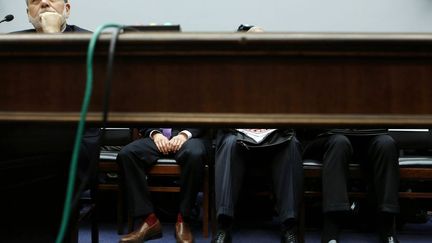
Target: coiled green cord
column 75, row 153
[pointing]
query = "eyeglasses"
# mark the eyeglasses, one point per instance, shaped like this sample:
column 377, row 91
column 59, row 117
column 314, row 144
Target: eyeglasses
column 244, row 27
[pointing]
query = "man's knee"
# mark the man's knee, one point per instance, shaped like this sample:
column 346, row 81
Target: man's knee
column 124, row 153
column 194, row 152
column 339, row 141
column 385, row 143
column 228, row 140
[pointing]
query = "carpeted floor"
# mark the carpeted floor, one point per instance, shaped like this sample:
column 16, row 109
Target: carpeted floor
column 263, row 233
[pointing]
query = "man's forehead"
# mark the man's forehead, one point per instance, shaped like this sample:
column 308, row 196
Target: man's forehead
column 27, row 1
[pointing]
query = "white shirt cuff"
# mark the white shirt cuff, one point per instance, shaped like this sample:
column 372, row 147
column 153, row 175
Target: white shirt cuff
column 153, row 132
column 188, row 134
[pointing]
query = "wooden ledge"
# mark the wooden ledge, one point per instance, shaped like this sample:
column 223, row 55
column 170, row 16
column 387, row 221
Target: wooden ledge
column 223, row 119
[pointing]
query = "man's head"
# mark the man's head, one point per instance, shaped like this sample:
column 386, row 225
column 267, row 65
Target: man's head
column 37, row 7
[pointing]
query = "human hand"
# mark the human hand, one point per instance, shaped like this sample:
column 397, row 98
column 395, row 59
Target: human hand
column 51, row 22
column 162, row 143
column 177, row 142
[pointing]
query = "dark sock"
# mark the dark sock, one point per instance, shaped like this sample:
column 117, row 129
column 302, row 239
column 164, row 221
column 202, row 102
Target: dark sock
column 288, row 224
column 385, row 224
column 179, row 218
column 331, row 226
column 224, row 222
column 151, row 219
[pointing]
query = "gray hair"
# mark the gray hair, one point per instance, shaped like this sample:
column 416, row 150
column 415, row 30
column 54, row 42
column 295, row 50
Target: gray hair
column 63, row 0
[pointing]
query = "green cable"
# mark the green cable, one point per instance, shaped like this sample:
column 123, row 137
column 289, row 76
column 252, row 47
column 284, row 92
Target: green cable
column 75, row 154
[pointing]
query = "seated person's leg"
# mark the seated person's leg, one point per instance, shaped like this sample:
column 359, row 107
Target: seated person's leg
column 134, row 159
column 287, row 173
column 191, row 157
column 229, row 172
column 335, row 152
column 382, row 156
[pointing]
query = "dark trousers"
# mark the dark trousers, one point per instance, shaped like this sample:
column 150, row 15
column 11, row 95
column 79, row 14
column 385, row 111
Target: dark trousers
column 378, row 157
column 285, row 163
column 138, row 156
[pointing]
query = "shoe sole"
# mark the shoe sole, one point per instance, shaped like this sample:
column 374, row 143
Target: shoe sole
column 153, row 237
column 178, row 241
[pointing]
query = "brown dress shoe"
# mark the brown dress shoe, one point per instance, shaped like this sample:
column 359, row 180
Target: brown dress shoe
column 145, row 232
column 183, row 233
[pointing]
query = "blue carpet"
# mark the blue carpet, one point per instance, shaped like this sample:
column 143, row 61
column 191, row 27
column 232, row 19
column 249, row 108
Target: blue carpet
column 265, row 233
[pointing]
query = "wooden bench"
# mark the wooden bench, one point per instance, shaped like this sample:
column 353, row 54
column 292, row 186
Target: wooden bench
column 313, row 171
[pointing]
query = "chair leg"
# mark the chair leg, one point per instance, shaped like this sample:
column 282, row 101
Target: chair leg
column 301, row 221
column 206, row 203
column 120, row 212
column 94, row 214
column 73, row 232
column 94, row 226
column 212, row 195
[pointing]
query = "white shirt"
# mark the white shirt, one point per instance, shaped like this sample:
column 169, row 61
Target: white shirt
column 256, row 134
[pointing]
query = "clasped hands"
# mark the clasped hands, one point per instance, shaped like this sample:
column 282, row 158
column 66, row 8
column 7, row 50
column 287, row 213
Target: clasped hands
column 166, row 146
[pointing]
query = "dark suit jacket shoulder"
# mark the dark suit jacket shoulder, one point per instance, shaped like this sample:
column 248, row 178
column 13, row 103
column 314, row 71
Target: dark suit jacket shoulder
column 74, row 28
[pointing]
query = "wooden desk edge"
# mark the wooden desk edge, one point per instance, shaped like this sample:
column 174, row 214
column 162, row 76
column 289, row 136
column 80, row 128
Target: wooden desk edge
column 223, row 119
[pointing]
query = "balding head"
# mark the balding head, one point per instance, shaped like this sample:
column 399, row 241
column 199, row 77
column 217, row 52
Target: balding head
column 27, row 1
column 256, row 29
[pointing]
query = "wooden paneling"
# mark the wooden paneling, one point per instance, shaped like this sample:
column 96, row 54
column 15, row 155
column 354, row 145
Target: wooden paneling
column 225, row 78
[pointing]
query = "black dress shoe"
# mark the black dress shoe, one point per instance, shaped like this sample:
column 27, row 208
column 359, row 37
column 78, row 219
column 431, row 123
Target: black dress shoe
column 222, row 236
column 290, row 236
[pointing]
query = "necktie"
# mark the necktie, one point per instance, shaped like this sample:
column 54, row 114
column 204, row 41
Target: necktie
column 166, row 132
